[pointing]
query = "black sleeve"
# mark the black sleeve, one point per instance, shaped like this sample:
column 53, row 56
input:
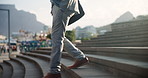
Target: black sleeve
column 76, row 17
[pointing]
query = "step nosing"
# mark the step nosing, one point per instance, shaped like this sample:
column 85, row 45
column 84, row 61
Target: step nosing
column 121, row 61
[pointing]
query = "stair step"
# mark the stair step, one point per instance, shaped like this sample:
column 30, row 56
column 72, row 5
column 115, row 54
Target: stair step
column 125, row 31
column 89, row 71
column 36, row 59
column 18, row 69
column 46, row 58
column 120, row 37
column 130, row 67
column 115, row 40
column 133, row 53
column 42, row 51
column 134, row 29
column 82, row 71
column 116, row 43
column 32, row 76
column 130, row 25
column 31, row 69
column 6, row 70
column 1, row 72
column 42, row 63
column 44, row 48
column 132, row 44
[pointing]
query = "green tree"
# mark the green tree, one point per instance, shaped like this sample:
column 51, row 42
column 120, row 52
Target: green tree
column 49, row 36
column 83, row 39
column 70, row 35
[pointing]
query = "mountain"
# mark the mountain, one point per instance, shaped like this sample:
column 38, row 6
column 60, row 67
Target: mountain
column 142, row 17
column 19, row 20
column 128, row 16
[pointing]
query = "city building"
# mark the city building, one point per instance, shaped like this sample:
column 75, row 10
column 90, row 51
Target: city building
column 86, row 32
column 2, row 37
column 103, row 29
column 23, row 35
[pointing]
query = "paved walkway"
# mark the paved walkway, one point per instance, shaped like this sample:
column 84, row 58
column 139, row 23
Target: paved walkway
column 5, row 56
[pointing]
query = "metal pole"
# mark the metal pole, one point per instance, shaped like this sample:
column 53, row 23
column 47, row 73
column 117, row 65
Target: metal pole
column 9, row 32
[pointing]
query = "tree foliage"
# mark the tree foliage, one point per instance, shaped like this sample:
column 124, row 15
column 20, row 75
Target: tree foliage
column 49, row 36
column 70, row 35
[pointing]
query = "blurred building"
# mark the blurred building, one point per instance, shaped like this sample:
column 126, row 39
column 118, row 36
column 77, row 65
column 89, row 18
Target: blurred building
column 2, row 37
column 86, row 32
column 102, row 30
column 23, row 35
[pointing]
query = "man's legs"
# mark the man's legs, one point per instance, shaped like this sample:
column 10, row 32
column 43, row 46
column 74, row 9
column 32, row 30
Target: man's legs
column 60, row 21
column 81, row 59
column 58, row 34
column 72, row 50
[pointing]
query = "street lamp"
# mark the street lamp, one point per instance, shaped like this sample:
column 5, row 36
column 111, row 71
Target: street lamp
column 8, row 27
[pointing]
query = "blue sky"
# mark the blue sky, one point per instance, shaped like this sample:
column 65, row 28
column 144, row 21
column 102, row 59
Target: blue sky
column 97, row 12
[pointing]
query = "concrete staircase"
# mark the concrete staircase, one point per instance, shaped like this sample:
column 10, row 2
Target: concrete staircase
column 124, row 51
column 35, row 64
column 129, row 34
column 127, row 62
column 28, row 65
